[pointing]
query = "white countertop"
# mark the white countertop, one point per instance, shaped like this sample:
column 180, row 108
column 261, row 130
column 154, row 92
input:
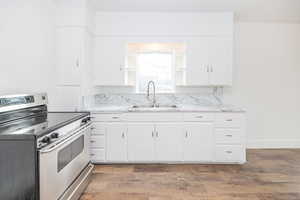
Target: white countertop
column 182, row 108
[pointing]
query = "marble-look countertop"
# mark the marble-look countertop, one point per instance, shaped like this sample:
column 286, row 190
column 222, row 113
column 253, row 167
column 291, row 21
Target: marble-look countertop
column 120, row 103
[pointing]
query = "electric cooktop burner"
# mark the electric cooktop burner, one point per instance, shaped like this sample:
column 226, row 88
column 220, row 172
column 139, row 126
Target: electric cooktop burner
column 39, row 125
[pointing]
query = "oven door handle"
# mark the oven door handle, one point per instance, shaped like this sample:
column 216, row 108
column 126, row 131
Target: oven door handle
column 77, row 132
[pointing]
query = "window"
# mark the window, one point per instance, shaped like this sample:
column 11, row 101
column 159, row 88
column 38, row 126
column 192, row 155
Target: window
column 159, row 62
column 158, row 67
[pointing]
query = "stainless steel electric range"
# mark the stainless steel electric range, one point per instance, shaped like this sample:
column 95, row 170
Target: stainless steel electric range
column 43, row 155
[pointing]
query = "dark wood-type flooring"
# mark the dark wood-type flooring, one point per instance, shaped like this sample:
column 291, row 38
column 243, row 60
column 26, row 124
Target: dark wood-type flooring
column 268, row 175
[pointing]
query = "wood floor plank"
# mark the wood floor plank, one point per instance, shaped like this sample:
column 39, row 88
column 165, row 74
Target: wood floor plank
column 268, row 175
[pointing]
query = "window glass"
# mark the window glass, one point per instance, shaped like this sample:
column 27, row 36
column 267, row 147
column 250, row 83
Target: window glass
column 156, row 67
column 162, row 63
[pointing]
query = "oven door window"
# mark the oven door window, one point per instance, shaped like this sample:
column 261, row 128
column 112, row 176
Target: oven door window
column 69, row 153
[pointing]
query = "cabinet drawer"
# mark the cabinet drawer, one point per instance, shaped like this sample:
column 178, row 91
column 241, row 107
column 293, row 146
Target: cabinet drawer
column 198, row 117
column 227, row 153
column 107, row 117
column 228, row 120
column 97, row 141
column 228, row 136
column 98, row 128
column 97, row 155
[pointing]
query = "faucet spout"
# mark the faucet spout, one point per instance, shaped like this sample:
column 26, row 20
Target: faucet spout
column 148, row 93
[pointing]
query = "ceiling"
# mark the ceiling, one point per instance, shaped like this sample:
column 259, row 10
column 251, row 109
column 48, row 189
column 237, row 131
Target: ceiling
column 246, row 10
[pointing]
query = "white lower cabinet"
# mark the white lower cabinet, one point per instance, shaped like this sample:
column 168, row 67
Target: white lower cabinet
column 198, row 142
column 187, row 138
column 140, row 142
column 168, row 142
column 116, row 142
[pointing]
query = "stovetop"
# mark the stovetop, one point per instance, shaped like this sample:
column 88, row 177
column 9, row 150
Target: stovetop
column 39, row 125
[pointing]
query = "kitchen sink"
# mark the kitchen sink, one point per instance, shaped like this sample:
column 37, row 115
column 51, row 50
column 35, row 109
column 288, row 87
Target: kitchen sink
column 151, row 108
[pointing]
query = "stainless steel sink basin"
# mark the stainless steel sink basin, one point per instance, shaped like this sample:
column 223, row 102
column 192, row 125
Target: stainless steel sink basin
column 151, row 108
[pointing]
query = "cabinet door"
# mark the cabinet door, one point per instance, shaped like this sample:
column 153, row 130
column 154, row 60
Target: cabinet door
column 69, row 47
column 168, row 144
column 109, row 61
column 197, row 60
column 140, row 142
column 198, row 142
column 221, row 61
column 116, row 144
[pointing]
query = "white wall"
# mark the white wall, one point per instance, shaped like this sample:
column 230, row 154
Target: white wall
column 267, row 82
column 26, row 46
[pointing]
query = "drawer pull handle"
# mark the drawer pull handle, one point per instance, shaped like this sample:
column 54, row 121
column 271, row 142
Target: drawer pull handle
column 228, row 135
column 123, row 135
column 92, row 128
column 199, row 117
column 92, row 154
column 152, row 134
column 93, row 141
column 186, row 134
column 229, row 152
column 115, row 117
column 229, row 120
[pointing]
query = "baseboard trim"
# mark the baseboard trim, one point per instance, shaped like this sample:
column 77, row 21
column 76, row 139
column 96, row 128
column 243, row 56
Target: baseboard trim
column 273, row 144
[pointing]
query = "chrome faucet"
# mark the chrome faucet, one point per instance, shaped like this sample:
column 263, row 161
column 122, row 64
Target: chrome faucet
column 148, row 93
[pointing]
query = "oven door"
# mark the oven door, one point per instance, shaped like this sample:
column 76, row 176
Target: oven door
column 61, row 164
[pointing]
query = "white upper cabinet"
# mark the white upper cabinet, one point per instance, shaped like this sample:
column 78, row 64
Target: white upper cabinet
column 208, row 37
column 195, row 133
column 168, row 145
column 164, row 23
column 69, row 53
column 209, row 61
column 221, row 61
column 197, row 59
column 109, row 61
column 73, row 13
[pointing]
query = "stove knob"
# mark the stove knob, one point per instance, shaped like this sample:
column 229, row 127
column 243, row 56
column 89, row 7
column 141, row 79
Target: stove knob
column 46, row 139
column 86, row 120
column 54, row 135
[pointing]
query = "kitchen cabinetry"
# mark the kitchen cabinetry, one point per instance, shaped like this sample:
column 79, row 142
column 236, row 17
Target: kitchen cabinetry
column 140, row 142
column 168, row 142
column 70, row 47
column 169, row 138
column 109, row 61
column 209, row 61
column 198, row 142
column 116, row 141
